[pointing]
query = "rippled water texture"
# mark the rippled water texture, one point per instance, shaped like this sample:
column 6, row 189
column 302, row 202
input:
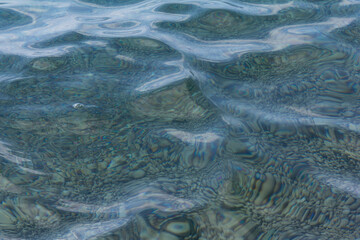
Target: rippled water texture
column 145, row 119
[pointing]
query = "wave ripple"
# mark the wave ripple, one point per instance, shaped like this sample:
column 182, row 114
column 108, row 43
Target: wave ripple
column 144, row 119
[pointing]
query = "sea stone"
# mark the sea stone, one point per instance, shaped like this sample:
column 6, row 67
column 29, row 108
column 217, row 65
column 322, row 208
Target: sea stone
column 178, row 228
column 138, row 173
column 175, row 103
column 330, row 202
column 78, row 105
column 44, row 65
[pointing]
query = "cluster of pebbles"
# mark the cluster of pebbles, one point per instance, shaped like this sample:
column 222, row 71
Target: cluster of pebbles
column 237, row 187
column 188, row 160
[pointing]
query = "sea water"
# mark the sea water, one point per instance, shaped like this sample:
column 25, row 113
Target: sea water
column 193, row 119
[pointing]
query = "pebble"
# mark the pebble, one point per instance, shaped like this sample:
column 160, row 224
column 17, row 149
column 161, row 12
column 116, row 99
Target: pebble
column 344, row 222
column 330, row 202
column 138, row 173
column 78, row 105
column 43, row 65
column 178, row 228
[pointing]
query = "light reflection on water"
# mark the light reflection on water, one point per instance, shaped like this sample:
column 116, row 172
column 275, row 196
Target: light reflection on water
column 146, row 119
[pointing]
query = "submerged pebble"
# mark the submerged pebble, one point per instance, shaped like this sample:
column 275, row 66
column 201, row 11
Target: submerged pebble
column 178, row 228
column 78, row 105
column 138, row 173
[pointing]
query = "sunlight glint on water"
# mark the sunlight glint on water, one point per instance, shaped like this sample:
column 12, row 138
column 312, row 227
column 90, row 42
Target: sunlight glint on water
column 144, row 119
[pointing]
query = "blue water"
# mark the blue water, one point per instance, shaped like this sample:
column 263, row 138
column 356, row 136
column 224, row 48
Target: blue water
column 144, row 119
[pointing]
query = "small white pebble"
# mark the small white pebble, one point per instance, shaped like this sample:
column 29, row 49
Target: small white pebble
column 78, row 105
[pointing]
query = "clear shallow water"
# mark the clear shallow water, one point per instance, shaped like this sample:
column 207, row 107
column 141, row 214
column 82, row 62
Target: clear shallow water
column 179, row 120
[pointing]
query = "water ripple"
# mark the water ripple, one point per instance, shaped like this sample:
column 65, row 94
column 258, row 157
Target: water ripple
column 144, row 119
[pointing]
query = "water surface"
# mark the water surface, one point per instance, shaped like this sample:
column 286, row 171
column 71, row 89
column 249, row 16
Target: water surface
column 144, row 119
